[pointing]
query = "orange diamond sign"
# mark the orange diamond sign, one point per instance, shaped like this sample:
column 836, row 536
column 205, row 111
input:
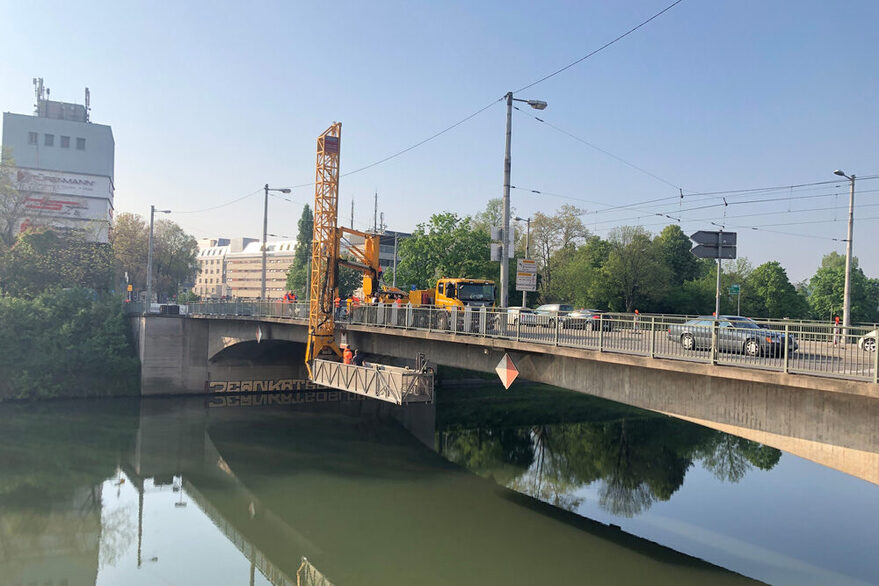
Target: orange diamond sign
column 507, row 371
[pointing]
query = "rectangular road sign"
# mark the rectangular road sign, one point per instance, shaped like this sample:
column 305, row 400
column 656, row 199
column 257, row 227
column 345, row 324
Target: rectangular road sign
column 734, row 289
column 710, row 238
column 702, row 251
column 526, row 275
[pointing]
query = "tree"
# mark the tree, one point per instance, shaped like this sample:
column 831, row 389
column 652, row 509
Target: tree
column 446, row 246
column 129, row 238
column 174, row 258
column 492, row 215
column 634, row 274
column 549, row 235
column 826, row 290
column 674, row 249
column 174, row 253
column 13, row 198
column 41, row 260
column 576, row 273
column 771, row 294
column 297, row 275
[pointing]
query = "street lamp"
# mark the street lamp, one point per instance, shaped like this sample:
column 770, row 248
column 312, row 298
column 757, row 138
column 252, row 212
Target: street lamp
column 527, row 250
column 265, row 227
column 505, row 246
column 149, row 275
column 847, row 291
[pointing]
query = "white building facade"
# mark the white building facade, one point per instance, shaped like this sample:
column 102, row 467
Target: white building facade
column 64, row 168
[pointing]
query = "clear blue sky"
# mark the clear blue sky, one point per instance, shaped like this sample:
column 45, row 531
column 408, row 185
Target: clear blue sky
column 208, row 101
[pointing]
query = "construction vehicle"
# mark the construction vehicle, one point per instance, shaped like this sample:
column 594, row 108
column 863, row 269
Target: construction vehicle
column 322, row 352
column 455, row 293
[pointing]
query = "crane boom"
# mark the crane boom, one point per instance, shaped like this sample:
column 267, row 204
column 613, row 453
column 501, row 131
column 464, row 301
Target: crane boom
column 324, row 246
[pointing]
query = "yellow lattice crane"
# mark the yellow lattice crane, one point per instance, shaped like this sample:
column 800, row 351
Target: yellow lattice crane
column 326, row 249
column 324, row 246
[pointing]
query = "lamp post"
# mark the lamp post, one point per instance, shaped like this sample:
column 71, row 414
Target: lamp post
column 505, row 246
column 847, row 291
column 149, row 275
column 265, row 227
column 527, row 250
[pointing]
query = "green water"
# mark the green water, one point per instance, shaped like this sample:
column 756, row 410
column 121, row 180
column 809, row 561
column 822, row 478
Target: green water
column 330, row 491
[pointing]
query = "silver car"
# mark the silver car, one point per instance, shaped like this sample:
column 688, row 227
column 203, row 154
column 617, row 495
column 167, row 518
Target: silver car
column 868, row 341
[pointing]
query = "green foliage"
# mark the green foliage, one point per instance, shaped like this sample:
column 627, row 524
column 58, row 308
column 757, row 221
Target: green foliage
column 634, row 274
column 771, row 294
column 826, row 290
column 297, row 275
column 12, row 200
column 65, row 343
column 174, row 253
column 42, row 260
column 446, row 246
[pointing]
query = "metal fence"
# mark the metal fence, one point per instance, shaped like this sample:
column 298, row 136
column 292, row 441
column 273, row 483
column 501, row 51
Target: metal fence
column 796, row 347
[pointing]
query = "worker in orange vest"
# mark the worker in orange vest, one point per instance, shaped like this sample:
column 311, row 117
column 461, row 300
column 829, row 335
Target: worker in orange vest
column 347, row 355
column 337, row 302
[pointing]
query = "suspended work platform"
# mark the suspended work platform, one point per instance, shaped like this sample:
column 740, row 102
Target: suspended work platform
column 393, row 384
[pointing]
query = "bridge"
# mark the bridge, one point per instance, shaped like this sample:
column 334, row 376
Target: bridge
column 241, row 347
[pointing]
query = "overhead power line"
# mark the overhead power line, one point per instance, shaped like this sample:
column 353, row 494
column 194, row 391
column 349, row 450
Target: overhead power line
column 601, row 48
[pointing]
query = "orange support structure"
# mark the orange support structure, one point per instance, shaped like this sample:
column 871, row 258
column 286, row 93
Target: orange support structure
column 324, row 246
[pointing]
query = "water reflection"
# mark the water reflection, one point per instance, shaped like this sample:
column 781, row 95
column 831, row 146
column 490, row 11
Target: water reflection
column 321, row 489
column 637, row 461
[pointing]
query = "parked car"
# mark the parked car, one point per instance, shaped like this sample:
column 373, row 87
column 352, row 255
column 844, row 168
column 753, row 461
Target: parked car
column 582, row 319
column 734, row 334
column 552, row 312
column 521, row 315
column 868, row 341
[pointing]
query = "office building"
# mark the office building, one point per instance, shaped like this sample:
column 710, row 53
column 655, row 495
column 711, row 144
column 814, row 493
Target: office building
column 64, row 167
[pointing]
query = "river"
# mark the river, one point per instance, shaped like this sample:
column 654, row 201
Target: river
column 533, row 486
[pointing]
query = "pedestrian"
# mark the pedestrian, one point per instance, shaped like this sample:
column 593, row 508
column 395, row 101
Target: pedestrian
column 347, row 355
column 836, row 330
column 358, row 358
column 636, row 319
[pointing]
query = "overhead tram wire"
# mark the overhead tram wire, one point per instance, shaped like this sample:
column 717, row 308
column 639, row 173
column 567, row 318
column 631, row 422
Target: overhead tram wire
column 648, row 213
column 599, row 149
column 729, row 194
column 599, row 49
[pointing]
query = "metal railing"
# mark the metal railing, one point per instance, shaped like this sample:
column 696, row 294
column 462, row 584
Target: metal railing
column 810, row 348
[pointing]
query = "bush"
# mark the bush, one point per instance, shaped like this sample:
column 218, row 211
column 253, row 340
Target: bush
column 65, row 343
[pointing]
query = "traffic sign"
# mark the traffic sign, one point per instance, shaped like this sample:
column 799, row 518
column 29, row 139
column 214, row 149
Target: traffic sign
column 526, row 274
column 735, row 289
column 703, row 251
column 710, row 238
column 131, row 287
column 507, row 371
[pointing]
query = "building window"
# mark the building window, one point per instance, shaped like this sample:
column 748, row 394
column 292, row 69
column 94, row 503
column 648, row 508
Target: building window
column 49, row 139
column 32, row 138
column 65, row 142
column 80, row 144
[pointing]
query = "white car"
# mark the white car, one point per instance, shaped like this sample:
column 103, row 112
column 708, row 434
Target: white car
column 868, row 341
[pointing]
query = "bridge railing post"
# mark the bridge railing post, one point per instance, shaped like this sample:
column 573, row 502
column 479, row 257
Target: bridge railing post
column 558, row 321
column 454, row 327
column 786, row 348
column 600, row 332
column 652, row 336
column 876, row 363
column 408, row 323
column 482, row 320
column 712, row 355
column 518, row 326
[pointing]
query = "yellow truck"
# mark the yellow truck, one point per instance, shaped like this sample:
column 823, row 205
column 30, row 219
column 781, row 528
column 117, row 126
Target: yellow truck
column 467, row 296
column 456, row 293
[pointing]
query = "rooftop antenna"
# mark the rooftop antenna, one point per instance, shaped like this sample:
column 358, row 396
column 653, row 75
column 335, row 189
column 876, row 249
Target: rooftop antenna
column 38, row 90
column 88, row 102
column 381, row 222
column 375, row 215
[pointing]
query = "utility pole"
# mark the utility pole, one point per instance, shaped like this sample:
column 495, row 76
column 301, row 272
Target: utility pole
column 847, row 290
column 395, row 260
column 265, row 228
column 717, row 289
column 375, row 215
column 352, row 213
column 505, row 246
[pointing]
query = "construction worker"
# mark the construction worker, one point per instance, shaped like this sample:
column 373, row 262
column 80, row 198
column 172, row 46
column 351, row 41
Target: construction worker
column 347, row 355
column 337, row 303
column 358, row 358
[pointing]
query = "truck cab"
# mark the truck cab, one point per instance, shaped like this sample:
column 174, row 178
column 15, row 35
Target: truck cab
column 449, row 293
